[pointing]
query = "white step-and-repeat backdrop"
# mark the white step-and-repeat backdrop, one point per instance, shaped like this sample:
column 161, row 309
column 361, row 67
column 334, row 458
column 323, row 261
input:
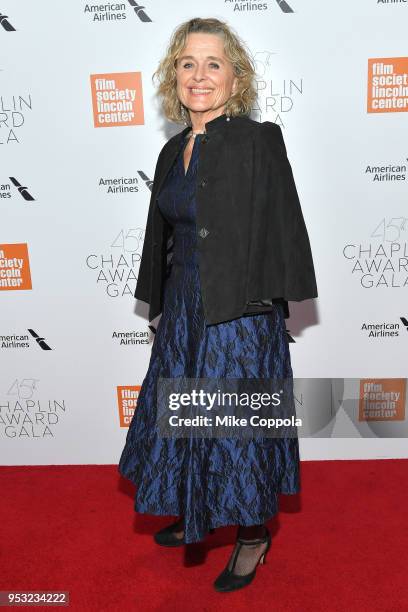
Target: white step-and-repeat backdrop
column 75, row 188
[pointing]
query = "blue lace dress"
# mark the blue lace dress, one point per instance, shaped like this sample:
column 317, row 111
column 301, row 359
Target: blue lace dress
column 212, row 482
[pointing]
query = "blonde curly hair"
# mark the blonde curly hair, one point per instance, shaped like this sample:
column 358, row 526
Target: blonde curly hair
column 240, row 103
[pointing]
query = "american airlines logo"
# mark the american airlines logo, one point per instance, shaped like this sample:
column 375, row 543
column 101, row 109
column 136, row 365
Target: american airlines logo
column 140, row 11
column 115, row 11
column 239, row 6
column 4, row 22
column 23, row 191
column 148, row 182
column 284, row 6
column 40, row 341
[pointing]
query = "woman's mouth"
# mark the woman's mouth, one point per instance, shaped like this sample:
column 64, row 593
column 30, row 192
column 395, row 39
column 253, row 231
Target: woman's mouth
column 199, row 91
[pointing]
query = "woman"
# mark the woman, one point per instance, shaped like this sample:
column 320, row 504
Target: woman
column 206, row 329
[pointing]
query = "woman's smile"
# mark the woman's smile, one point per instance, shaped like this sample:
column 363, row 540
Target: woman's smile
column 199, row 91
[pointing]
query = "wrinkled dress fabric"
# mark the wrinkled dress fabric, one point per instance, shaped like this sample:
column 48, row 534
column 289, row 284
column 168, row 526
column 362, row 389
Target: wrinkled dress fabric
column 212, row 482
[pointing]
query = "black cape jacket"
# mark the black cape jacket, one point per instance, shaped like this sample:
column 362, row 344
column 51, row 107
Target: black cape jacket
column 253, row 245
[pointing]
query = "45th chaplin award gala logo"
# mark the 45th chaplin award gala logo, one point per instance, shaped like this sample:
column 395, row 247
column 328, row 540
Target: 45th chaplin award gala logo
column 115, row 270
column 117, row 99
column 14, row 267
column 277, row 96
column 382, row 259
column 127, row 400
column 25, row 414
column 387, row 85
column 13, row 111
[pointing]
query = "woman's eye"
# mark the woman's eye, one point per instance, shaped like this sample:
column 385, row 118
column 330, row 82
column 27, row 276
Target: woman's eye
column 214, row 64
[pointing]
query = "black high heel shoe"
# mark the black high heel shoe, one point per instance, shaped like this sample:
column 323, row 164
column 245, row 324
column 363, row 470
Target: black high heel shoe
column 227, row 580
column 167, row 537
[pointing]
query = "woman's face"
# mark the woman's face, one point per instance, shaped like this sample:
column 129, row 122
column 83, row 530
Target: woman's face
column 205, row 77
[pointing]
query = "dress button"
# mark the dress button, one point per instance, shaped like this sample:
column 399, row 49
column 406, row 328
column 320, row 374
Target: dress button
column 203, row 232
column 204, row 138
column 203, row 183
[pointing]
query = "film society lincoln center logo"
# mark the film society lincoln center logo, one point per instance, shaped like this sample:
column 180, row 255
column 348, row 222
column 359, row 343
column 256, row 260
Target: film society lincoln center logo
column 117, row 99
column 127, row 402
column 387, row 85
column 382, row 399
column 14, row 267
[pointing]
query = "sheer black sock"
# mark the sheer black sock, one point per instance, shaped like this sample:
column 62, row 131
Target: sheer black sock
column 245, row 557
column 253, row 532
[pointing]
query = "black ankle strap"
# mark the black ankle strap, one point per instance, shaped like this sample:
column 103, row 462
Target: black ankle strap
column 257, row 541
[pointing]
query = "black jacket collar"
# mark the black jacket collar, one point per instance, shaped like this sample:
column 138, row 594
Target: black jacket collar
column 210, row 126
column 172, row 147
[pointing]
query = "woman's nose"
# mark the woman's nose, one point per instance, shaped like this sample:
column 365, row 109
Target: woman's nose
column 199, row 73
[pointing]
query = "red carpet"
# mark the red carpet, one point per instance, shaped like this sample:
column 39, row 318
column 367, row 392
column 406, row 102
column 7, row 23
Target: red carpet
column 340, row 545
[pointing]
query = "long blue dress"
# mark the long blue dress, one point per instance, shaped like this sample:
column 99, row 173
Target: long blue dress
column 212, row 482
